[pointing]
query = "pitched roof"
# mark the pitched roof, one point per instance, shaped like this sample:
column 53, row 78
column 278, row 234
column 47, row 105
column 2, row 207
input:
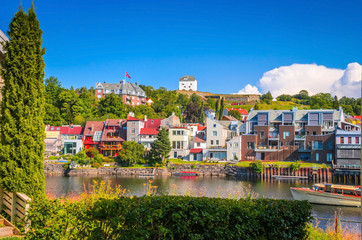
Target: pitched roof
column 93, row 126
column 71, row 130
column 130, row 118
column 228, row 118
column 187, row 78
column 153, row 123
column 148, row 131
column 240, row 110
column 196, row 150
column 123, row 87
column 198, row 140
column 122, row 133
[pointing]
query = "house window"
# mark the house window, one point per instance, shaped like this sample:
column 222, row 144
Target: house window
column 251, row 145
column 357, row 140
column 212, row 142
column 99, row 91
column 99, row 96
column 198, row 144
column 217, row 142
column 214, row 125
column 261, row 134
column 214, row 133
column 133, row 130
column 347, row 128
column 174, row 133
column 329, row 157
column 317, row 157
column 236, row 144
column 329, row 145
column 286, row 134
column 314, row 133
column 151, row 121
column 342, row 140
column 349, row 139
column 317, row 145
column 195, row 157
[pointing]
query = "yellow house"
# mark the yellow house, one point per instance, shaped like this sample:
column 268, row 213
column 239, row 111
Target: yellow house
column 180, row 138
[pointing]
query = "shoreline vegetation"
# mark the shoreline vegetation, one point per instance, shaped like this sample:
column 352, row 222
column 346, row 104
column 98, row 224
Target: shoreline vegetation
column 105, row 212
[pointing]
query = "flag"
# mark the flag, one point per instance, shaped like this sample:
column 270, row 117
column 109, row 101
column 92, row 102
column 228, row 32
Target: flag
column 127, row 75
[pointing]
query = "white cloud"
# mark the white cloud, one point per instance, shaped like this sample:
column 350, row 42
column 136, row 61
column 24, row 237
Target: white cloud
column 313, row 78
column 249, row 89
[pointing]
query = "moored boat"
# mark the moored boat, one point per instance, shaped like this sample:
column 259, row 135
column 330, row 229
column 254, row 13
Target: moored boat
column 330, row 194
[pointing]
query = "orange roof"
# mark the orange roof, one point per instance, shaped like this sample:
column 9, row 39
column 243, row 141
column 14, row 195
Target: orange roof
column 130, row 118
column 240, row 110
column 201, row 128
column 198, row 140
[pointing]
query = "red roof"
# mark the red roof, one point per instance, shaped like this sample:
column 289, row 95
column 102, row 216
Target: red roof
column 93, row 126
column 240, row 110
column 357, row 117
column 69, row 130
column 130, row 118
column 201, row 128
column 153, row 123
column 196, row 150
column 198, row 140
column 148, row 131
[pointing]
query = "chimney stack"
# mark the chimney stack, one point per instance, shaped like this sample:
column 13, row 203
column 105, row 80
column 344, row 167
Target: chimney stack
column 92, row 129
column 145, row 117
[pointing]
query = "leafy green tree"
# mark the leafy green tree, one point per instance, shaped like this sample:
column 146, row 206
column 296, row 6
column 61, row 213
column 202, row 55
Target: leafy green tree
column 347, row 109
column 335, row 103
column 267, row 97
column 236, row 114
column 70, row 105
column 284, row 98
column 217, row 107
column 160, row 148
column 52, row 90
column 52, row 115
column 132, row 153
column 113, row 104
column 321, row 100
column 22, row 127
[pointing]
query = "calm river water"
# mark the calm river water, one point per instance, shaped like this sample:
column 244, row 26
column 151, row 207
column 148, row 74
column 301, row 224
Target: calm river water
column 208, row 186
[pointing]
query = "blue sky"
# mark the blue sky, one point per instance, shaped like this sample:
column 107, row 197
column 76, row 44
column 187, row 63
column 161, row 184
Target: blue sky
column 224, row 44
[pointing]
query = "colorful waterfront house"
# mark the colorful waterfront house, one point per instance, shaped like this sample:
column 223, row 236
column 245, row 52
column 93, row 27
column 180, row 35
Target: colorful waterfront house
column 131, row 93
column 114, row 134
column 134, row 126
column 307, row 135
column 147, row 137
column 92, row 135
column 53, row 140
column 242, row 112
column 348, row 148
column 180, row 138
column 198, row 150
column 72, row 138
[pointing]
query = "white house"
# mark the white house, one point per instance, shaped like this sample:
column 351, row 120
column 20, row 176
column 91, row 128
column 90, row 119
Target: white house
column 188, row 83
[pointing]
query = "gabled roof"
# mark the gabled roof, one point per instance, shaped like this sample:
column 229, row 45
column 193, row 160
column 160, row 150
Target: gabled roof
column 153, row 123
column 113, row 122
column 93, row 126
column 148, row 131
column 122, row 133
column 71, row 130
column 228, row 118
column 199, row 140
column 240, row 110
column 130, row 118
column 201, row 128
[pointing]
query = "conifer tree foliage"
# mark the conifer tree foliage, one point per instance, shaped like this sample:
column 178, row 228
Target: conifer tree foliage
column 160, row 148
column 22, row 128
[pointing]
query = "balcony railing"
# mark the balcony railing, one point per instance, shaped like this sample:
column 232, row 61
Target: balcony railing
column 111, row 147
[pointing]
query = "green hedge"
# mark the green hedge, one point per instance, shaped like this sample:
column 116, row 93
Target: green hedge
column 170, row 217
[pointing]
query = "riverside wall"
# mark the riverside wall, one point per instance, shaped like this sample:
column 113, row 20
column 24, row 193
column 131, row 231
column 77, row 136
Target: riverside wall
column 220, row 170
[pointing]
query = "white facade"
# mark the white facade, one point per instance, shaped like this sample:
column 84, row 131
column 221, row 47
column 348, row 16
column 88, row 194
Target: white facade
column 234, row 148
column 188, row 83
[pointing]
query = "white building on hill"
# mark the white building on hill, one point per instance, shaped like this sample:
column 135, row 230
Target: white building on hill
column 188, row 83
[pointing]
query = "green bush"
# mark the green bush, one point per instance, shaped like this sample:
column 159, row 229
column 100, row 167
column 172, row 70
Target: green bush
column 169, row 217
column 257, row 166
column 296, row 165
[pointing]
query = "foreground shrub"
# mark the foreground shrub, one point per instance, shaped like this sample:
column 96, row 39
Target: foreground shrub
column 257, row 166
column 169, row 217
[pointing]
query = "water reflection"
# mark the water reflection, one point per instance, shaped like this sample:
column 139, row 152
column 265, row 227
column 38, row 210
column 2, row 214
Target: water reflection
column 208, row 186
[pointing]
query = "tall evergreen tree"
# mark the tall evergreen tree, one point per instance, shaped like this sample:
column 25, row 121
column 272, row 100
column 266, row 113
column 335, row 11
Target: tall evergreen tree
column 160, row 148
column 217, row 104
column 22, row 128
column 222, row 106
column 202, row 113
column 335, row 103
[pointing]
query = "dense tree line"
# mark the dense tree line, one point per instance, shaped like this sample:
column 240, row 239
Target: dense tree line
column 349, row 105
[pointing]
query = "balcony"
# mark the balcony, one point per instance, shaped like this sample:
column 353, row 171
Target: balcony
column 267, row 149
column 111, row 147
column 299, row 137
column 304, row 149
column 273, row 137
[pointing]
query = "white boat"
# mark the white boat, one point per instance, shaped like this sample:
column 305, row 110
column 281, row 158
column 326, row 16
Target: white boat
column 330, row 194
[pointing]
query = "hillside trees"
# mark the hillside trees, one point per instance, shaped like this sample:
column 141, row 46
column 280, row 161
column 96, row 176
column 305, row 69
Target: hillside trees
column 22, row 113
